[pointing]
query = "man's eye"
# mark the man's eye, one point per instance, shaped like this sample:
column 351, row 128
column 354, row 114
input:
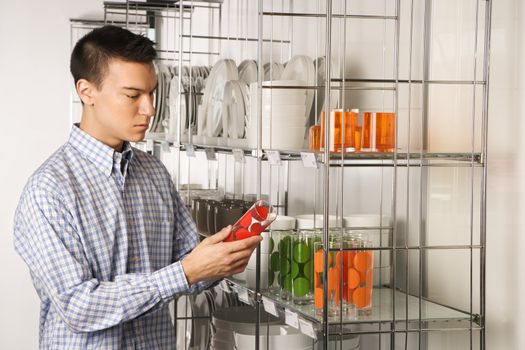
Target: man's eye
column 133, row 97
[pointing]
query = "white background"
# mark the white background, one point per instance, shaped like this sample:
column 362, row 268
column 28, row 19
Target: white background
column 35, row 109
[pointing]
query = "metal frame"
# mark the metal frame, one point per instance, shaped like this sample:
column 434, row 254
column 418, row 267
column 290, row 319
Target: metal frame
column 414, row 162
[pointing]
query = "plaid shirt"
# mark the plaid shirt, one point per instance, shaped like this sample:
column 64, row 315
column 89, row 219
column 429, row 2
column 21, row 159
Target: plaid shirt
column 103, row 234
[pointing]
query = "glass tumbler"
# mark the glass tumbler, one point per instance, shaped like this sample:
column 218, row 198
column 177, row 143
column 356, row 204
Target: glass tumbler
column 378, row 132
column 314, row 138
column 334, row 277
column 254, row 221
column 301, row 268
column 274, row 265
column 360, row 278
column 341, row 122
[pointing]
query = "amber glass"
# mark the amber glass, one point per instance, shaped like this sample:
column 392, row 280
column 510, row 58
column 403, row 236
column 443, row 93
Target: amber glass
column 378, row 132
column 314, row 138
column 385, row 131
column 338, row 121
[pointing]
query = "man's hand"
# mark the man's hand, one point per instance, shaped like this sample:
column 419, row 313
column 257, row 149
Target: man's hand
column 214, row 259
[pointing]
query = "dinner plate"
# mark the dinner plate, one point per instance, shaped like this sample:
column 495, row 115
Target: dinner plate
column 248, row 71
column 315, row 111
column 302, row 68
column 234, row 111
column 273, row 71
column 174, row 109
column 210, row 119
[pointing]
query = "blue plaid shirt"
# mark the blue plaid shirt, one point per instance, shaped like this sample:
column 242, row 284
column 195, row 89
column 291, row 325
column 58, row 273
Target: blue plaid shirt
column 103, row 234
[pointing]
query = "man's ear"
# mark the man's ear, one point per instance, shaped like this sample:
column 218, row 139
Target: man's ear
column 86, row 91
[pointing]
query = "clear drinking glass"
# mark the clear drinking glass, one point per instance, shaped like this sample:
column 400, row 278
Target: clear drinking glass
column 301, row 268
column 256, row 219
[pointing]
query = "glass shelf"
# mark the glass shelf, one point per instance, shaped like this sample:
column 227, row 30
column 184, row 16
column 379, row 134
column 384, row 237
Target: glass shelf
column 382, row 310
column 436, row 159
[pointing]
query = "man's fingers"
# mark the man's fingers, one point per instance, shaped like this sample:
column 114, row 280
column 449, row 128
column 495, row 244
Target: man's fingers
column 220, row 236
column 247, row 243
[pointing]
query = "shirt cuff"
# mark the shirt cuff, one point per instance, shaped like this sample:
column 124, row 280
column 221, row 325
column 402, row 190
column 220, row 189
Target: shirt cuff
column 171, row 280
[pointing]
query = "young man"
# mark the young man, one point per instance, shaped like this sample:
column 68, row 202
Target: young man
column 106, row 237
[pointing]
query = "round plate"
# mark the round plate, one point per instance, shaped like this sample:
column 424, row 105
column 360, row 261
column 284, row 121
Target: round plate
column 222, row 71
column 174, row 108
column 248, row 71
column 273, row 72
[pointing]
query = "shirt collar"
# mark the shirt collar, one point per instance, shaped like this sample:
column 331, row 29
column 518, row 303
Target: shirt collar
column 100, row 154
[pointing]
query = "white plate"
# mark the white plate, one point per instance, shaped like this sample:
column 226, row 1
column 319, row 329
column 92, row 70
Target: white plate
column 302, row 68
column 233, row 109
column 222, row 71
column 273, row 71
column 174, row 108
column 320, row 65
column 248, row 71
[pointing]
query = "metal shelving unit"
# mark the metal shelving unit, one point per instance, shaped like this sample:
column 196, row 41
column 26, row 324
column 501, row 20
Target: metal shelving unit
column 406, row 313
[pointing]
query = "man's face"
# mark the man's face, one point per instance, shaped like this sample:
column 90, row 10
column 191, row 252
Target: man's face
column 123, row 104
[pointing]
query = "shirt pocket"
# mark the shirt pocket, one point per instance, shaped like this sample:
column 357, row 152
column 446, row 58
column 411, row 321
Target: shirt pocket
column 159, row 239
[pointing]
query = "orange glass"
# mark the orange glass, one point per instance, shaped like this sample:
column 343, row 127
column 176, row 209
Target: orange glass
column 354, row 269
column 339, row 121
column 378, row 133
column 314, row 138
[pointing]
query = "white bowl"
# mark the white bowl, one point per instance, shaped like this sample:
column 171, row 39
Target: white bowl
column 223, row 345
column 306, row 221
column 366, row 220
column 284, row 121
column 283, row 223
column 284, row 138
column 287, row 110
column 239, row 319
column 275, row 98
column 273, row 337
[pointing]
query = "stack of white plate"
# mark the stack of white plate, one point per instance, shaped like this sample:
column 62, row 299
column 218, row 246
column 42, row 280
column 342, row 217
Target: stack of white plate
column 234, row 111
column 240, row 319
column 284, row 115
column 273, row 337
column 209, row 123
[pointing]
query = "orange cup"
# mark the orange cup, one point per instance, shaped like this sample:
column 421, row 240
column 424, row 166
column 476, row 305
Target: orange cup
column 342, row 130
column 378, row 132
column 314, row 138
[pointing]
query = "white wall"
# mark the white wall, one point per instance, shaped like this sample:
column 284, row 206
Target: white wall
column 34, row 110
column 34, row 114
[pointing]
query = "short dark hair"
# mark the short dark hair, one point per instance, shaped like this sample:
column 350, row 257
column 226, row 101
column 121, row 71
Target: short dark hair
column 92, row 53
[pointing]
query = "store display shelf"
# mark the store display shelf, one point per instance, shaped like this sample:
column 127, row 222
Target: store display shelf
column 382, row 159
column 407, row 308
column 321, row 15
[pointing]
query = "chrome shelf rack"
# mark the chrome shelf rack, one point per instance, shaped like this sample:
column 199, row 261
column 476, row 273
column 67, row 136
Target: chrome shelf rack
column 406, row 313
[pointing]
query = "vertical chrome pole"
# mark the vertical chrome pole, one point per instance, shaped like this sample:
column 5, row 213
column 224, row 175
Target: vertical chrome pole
column 260, row 72
column 483, row 226
column 395, row 169
column 472, row 169
column 407, row 229
column 326, row 182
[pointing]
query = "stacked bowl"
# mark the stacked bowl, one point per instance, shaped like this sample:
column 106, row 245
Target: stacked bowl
column 284, row 115
column 239, row 319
